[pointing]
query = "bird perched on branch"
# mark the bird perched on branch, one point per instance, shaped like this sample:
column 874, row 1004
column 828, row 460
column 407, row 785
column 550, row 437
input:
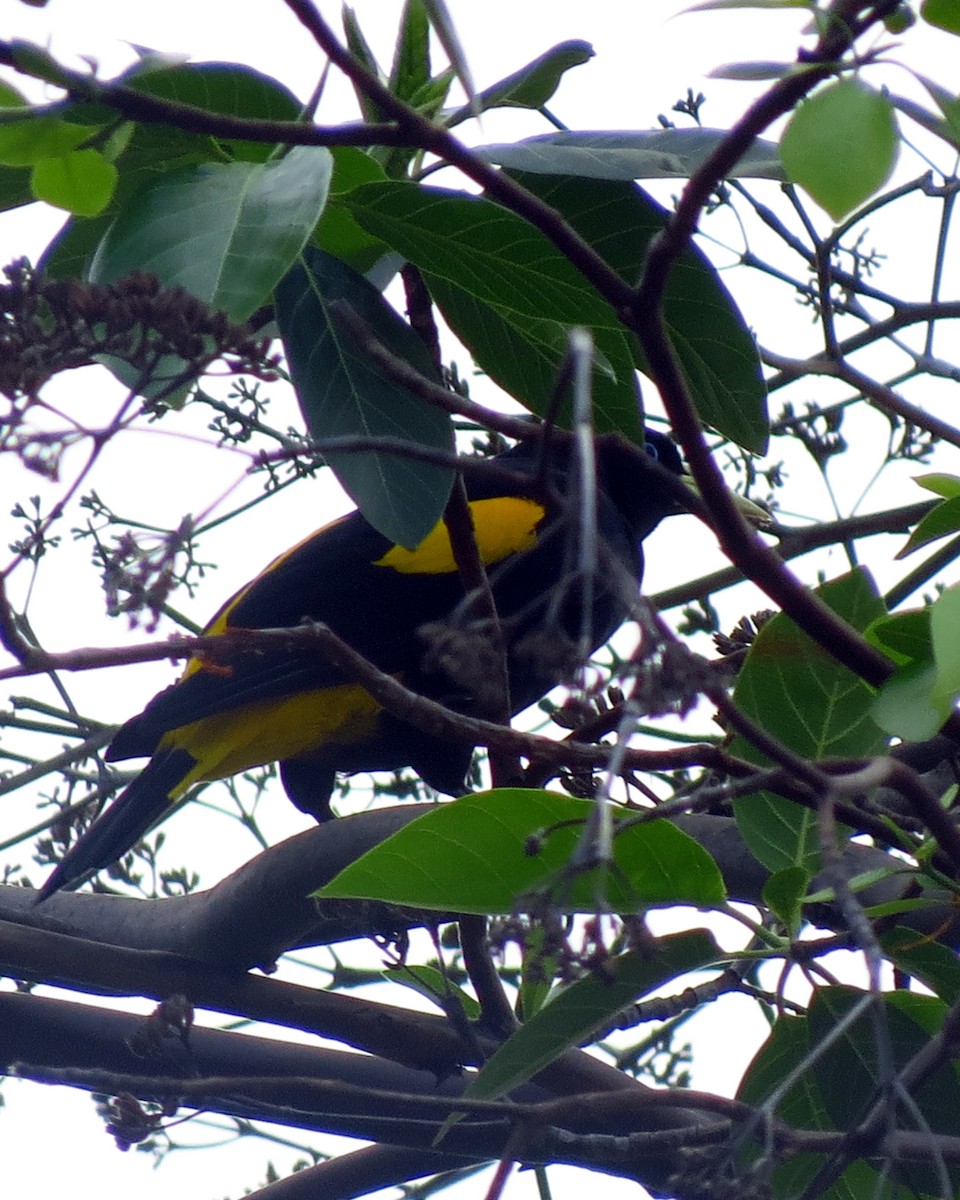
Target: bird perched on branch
column 407, row 613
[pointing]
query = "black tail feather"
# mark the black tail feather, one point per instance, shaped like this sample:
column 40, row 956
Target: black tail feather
column 134, row 811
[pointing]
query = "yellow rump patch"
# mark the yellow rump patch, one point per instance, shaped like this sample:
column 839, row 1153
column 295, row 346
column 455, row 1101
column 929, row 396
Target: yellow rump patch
column 270, row 730
column 503, row 525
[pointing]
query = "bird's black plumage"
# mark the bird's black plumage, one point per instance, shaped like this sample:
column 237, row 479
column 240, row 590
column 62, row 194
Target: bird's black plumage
column 292, row 706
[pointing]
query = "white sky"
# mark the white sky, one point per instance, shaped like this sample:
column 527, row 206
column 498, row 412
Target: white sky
column 645, row 59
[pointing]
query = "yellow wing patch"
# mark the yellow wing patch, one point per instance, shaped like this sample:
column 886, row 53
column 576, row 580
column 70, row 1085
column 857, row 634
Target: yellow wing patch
column 503, row 525
column 271, row 730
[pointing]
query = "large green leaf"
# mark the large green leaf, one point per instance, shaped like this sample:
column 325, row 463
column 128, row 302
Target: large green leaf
column 474, row 856
column 945, row 635
column 154, row 150
column 227, row 232
column 920, row 695
column 872, row 1046
column 583, row 1010
column 411, row 57
column 794, row 689
column 841, row 145
column 801, row 1106
column 225, row 88
column 14, row 188
column 337, row 231
column 939, row 521
column 37, row 135
column 630, row 154
column 524, row 355
column 944, row 14
column 342, row 395
column 14, row 182
column 482, row 246
column 936, row 966
column 82, row 182
column 905, row 705
column 497, row 279
column 716, row 349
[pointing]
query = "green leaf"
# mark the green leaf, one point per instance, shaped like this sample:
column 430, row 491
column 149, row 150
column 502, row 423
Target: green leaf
column 947, row 128
column 524, row 355
column 940, row 521
column 582, row 1011
column 883, row 1038
column 82, row 182
column 947, row 486
column 454, row 235
column 794, row 689
column 935, row 965
column 473, row 855
column 14, row 188
column 902, row 636
column 916, row 700
column 28, row 140
column 841, row 145
column 433, row 986
column 411, row 60
column 151, row 152
column 411, row 81
column 945, row 636
column 751, row 71
column 946, row 101
column 905, row 706
column 531, row 86
column 224, row 88
column 806, row 1105
column 783, row 893
column 944, row 14
column 501, row 284
column 225, row 232
column 342, row 395
column 717, row 351
column 10, row 97
column 359, row 47
column 780, row 1057
column 337, row 231
column 630, row 154
column 443, row 26
column 540, row 966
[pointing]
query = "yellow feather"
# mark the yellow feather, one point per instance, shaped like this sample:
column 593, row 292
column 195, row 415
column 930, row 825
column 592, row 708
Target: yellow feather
column 503, row 525
column 273, row 729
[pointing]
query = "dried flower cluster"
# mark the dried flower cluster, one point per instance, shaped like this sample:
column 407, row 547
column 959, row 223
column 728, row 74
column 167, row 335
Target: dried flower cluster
column 52, row 325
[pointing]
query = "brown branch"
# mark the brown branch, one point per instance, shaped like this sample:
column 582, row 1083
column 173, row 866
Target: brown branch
column 418, row 1040
column 415, row 709
column 498, row 1016
column 794, row 542
column 644, row 314
column 400, row 371
column 888, row 772
column 153, row 110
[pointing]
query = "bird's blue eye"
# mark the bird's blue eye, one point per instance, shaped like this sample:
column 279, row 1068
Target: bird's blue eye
column 652, row 450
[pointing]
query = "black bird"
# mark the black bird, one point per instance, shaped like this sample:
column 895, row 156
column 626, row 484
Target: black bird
column 292, row 706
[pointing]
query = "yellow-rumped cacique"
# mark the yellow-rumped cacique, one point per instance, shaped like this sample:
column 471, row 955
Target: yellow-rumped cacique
column 291, row 706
